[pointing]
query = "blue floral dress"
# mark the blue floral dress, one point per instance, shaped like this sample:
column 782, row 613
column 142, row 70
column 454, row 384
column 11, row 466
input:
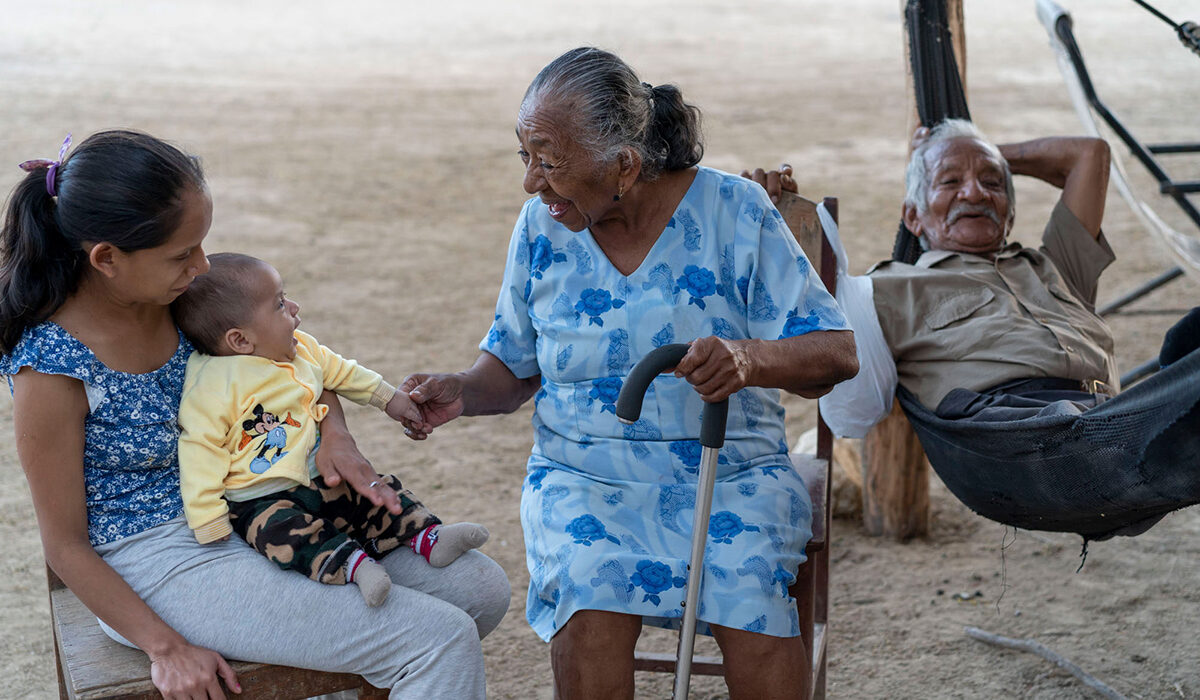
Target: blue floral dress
column 607, row 508
column 130, row 458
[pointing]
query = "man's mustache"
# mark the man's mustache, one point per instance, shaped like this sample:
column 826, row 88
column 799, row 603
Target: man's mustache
column 960, row 210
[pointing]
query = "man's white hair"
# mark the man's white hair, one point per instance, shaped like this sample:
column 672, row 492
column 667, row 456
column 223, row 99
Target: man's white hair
column 916, row 178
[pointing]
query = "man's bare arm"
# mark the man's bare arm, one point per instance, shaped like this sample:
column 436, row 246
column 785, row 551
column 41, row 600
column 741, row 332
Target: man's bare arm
column 1077, row 165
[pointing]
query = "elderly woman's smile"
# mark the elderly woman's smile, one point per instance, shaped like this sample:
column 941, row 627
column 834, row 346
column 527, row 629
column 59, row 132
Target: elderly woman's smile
column 576, row 190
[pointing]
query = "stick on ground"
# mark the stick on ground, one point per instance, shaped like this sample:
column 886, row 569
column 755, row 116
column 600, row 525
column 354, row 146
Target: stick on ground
column 1041, row 650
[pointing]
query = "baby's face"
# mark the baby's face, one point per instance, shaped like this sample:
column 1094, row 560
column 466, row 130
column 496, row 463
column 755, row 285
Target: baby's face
column 275, row 319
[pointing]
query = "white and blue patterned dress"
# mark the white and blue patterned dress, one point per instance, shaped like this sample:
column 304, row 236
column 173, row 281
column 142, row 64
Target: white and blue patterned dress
column 130, row 460
column 607, row 508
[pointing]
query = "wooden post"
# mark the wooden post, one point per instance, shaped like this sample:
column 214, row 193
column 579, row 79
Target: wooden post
column 895, row 480
column 895, row 472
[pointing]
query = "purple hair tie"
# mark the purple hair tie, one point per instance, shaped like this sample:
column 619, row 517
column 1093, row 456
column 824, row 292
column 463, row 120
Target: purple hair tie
column 50, row 165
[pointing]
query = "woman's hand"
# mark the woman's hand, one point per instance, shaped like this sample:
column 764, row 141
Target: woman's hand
column 339, row 460
column 808, row 365
column 439, row 397
column 488, row 388
column 774, row 181
column 716, row 367
column 189, row 672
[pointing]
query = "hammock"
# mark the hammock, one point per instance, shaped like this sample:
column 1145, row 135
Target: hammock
column 1116, row 469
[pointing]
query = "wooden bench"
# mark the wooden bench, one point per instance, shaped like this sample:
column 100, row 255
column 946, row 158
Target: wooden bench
column 91, row 666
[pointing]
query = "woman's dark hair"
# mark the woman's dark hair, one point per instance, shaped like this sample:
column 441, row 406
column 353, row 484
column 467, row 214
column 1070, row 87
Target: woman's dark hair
column 615, row 109
column 118, row 187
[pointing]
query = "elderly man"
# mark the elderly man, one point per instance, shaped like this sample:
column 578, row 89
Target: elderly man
column 979, row 325
column 987, row 327
column 1001, row 342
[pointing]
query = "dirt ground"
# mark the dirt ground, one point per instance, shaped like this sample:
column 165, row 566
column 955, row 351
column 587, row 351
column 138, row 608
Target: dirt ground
column 367, row 150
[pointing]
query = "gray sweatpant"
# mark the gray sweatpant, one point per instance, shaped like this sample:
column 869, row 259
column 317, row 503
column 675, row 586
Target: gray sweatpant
column 422, row 643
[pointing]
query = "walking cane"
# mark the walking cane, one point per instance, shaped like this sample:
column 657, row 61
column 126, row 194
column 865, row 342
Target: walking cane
column 712, row 437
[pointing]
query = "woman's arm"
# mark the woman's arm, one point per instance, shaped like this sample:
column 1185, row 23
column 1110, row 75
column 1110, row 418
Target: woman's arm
column 339, row 459
column 48, row 415
column 487, row 388
column 1077, row 165
column 808, row 365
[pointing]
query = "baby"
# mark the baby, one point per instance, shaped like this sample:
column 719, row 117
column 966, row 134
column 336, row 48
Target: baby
column 249, row 421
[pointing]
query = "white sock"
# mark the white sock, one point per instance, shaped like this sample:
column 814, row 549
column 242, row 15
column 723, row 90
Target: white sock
column 370, row 577
column 442, row 544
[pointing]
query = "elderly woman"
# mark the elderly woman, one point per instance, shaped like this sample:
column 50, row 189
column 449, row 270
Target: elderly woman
column 627, row 245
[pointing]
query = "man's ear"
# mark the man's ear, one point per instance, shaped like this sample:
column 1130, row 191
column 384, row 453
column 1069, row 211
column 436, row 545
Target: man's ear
column 238, row 342
column 103, row 257
column 912, row 220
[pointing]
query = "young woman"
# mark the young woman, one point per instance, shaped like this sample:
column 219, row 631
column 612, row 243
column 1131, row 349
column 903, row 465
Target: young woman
column 93, row 249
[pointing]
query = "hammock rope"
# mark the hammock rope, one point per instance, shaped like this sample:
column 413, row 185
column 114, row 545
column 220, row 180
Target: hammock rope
column 937, row 85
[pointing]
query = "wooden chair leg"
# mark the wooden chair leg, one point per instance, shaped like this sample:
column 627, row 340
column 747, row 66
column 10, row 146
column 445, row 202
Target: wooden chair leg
column 62, row 683
column 802, row 591
column 820, row 650
column 819, row 683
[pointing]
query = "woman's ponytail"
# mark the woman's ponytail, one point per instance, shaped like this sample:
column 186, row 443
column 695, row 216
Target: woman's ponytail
column 674, row 129
column 39, row 268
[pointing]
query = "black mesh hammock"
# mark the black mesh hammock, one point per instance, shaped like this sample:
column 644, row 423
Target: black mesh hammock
column 1114, row 470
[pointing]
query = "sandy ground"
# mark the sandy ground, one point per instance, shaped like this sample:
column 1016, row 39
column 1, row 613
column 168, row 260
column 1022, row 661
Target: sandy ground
column 368, row 152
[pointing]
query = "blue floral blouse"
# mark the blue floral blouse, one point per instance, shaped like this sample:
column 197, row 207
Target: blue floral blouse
column 607, row 508
column 130, row 458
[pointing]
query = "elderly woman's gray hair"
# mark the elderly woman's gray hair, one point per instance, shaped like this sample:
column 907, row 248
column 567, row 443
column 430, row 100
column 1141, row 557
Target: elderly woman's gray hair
column 916, row 178
column 615, row 110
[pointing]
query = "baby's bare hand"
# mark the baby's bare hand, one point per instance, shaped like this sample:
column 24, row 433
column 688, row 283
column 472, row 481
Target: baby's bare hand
column 401, row 408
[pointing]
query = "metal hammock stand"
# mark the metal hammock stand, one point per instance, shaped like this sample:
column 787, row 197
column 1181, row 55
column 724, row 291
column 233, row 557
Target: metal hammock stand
column 1183, row 248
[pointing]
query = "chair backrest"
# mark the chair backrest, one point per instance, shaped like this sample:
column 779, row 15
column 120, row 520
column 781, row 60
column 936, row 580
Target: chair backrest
column 801, row 217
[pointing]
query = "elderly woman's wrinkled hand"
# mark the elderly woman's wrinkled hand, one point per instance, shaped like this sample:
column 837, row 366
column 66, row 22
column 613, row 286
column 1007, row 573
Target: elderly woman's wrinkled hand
column 439, row 398
column 773, row 181
column 716, row 368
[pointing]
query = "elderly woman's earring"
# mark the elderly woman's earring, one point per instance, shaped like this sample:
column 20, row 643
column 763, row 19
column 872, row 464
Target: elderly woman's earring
column 620, row 191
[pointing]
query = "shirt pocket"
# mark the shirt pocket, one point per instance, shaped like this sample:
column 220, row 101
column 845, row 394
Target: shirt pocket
column 958, row 307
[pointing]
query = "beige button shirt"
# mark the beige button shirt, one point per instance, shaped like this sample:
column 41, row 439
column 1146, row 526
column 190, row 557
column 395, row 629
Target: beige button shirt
column 961, row 320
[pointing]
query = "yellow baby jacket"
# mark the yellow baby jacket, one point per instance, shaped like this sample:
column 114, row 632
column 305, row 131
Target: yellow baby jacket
column 249, row 423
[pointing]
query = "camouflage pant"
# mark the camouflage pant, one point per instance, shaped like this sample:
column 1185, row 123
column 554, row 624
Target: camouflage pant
column 314, row 529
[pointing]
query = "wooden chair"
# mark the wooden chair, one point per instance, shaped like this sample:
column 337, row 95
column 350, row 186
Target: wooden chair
column 811, row 589
column 91, row 666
